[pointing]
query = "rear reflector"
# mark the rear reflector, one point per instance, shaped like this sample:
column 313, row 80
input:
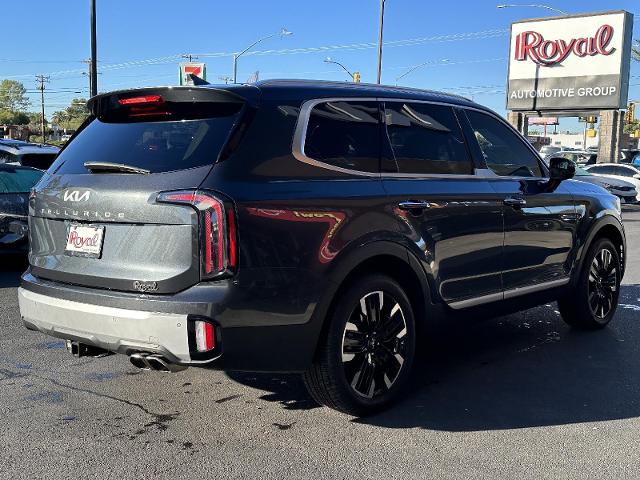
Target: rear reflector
column 205, row 336
column 139, row 100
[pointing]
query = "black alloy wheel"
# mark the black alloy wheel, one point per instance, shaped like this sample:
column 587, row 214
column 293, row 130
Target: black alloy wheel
column 373, row 344
column 364, row 358
column 592, row 303
column 603, row 283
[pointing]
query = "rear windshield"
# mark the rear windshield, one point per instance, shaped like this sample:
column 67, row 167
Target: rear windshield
column 19, row 180
column 38, row 160
column 157, row 146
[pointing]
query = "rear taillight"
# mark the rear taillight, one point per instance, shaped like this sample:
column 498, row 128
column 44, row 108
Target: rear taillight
column 217, row 228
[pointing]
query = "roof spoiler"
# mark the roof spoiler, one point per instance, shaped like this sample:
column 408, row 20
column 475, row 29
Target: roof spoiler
column 100, row 104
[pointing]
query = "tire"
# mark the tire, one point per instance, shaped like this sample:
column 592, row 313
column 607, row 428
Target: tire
column 364, row 347
column 593, row 302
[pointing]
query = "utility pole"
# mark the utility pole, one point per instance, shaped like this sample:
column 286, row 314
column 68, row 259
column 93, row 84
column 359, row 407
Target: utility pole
column 380, row 40
column 41, row 80
column 93, row 66
column 189, row 56
column 88, row 73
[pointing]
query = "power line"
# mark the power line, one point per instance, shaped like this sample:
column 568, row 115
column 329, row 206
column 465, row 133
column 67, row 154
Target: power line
column 479, row 35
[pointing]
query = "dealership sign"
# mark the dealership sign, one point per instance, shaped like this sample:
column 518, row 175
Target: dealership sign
column 577, row 62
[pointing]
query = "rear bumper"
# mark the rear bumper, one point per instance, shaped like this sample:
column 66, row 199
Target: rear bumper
column 115, row 329
column 252, row 333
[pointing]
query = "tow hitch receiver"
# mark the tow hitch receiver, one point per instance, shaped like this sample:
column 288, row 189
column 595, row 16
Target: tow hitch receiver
column 78, row 349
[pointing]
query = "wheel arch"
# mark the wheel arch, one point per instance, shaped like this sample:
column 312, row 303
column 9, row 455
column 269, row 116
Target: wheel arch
column 609, row 227
column 382, row 257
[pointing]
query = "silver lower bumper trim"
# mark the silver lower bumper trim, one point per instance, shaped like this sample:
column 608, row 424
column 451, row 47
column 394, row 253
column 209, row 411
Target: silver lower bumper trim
column 115, row 329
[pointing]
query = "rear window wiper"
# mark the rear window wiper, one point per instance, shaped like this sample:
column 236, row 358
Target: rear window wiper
column 114, row 167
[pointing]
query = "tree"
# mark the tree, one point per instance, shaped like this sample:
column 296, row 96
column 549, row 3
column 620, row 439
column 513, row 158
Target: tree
column 8, row 117
column 13, row 96
column 35, row 121
column 71, row 117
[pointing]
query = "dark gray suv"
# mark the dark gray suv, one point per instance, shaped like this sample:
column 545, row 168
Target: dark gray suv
column 311, row 227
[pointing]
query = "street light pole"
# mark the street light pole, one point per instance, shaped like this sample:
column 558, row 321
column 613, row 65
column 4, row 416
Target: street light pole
column 415, row 67
column 283, row 33
column 380, row 40
column 93, row 66
column 330, row 60
column 534, row 5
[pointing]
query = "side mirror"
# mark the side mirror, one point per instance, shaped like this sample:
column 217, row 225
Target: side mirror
column 561, row 169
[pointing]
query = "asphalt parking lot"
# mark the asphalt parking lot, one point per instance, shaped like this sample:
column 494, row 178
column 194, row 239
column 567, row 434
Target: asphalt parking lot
column 520, row 396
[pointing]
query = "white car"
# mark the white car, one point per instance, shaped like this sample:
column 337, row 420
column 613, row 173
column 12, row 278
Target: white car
column 620, row 171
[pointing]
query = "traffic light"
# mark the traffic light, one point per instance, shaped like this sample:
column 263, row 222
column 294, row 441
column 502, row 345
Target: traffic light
column 631, row 114
column 356, row 77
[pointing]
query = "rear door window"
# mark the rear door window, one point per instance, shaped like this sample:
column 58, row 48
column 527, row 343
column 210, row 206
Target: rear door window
column 504, row 152
column 426, row 139
column 345, row 134
column 157, row 146
column 19, row 180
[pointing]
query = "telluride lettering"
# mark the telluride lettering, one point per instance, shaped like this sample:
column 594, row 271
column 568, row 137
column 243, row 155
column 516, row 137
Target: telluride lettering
column 532, row 45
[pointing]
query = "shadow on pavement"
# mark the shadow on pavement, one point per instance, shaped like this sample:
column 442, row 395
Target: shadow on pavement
column 11, row 267
column 523, row 370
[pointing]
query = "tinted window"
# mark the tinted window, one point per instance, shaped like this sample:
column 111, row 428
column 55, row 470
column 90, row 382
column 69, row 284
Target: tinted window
column 504, row 152
column 624, row 171
column 426, row 139
column 604, row 170
column 18, row 180
column 345, row 134
column 158, row 146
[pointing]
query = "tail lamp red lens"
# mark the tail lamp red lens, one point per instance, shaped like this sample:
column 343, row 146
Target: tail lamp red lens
column 218, row 246
column 145, row 99
column 205, row 336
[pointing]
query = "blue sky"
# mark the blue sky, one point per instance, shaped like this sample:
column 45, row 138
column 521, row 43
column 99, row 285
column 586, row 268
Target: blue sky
column 139, row 42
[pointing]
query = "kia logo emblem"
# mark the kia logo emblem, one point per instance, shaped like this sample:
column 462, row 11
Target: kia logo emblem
column 76, row 196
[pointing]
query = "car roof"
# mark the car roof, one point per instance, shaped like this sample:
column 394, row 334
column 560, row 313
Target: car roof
column 294, row 90
column 608, row 164
column 325, row 88
column 26, row 147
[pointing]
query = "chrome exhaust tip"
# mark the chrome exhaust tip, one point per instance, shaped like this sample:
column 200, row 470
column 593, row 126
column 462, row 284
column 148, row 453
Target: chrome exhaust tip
column 147, row 361
column 139, row 360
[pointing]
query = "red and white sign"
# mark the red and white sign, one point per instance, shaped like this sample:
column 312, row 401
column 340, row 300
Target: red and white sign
column 575, row 62
column 191, row 68
column 543, row 120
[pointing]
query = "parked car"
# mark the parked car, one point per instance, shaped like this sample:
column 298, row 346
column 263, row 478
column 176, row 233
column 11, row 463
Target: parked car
column 580, row 157
column 35, row 155
column 630, row 156
column 626, row 191
column 549, row 150
column 305, row 226
column 620, row 171
column 15, row 183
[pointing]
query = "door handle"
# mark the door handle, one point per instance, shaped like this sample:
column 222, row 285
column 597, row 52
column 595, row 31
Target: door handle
column 413, row 205
column 515, row 202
